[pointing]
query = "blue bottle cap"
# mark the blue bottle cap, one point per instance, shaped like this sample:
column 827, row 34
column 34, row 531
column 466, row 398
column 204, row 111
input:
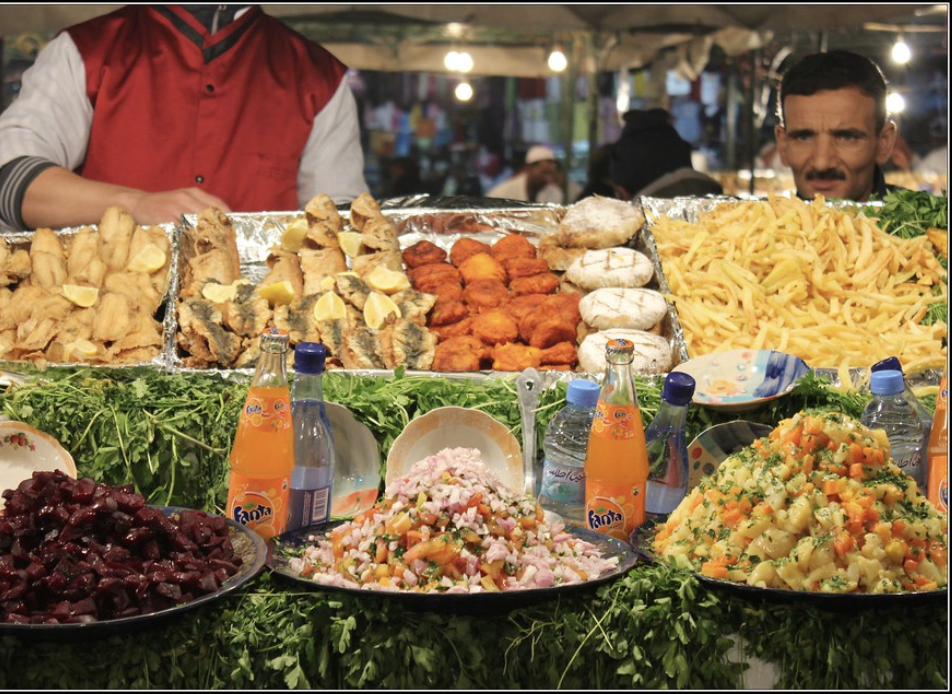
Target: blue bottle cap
column 888, row 382
column 582, row 393
column 309, row 358
column 678, row 388
column 887, row 364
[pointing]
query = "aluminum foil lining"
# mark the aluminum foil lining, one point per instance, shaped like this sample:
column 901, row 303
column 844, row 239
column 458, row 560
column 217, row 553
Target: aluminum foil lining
column 23, row 240
column 689, row 209
column 257, row 232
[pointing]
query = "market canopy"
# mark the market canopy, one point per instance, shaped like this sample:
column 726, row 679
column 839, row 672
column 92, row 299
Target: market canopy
column 513, row 39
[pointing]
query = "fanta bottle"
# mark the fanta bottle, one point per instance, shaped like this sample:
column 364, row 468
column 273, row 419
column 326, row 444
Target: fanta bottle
column 616, row 466
column 262, row 455
column 938, row 491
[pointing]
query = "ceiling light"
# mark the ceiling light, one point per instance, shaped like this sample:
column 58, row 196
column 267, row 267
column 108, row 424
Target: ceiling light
column 464, row 61
column 451, row 61
column 557, row 60
column 895, row 103
column 464, row 92
column 901, row 54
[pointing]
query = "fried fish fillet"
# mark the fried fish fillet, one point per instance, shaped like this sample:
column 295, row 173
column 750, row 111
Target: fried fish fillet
column 15, row 265
column 248, row 315
column 210, row 252
column 319, row 264
column 353, row 289
column 405, row 343
column 297, row 319
column 414, row 305
column 48, row 259
column 321, row 234
column 321, row 209
column 203, row 337
column 363, row 265
column 381, row 234
column 362, row 350
column 363, row 208
column 116, row 229
column 113, row 318
column 285, row 266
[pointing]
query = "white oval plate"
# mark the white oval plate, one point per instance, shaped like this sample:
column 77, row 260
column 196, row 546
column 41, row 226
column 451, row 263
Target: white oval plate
column 25, row 450
column 356, row 463
column 458, row 427
column 742, row 379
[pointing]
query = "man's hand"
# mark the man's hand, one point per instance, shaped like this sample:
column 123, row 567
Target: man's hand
column 169, row 205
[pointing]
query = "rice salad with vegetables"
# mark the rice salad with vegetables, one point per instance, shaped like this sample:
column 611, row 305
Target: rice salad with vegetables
column 450, row 526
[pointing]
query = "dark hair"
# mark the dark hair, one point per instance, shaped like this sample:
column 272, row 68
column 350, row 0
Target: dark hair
column 835, row 70
column 649, row 148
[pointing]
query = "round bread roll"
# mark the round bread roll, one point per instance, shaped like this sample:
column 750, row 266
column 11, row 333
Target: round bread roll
column 626, row 307
column 597, row 222
column 611, row 267
column 652, row 352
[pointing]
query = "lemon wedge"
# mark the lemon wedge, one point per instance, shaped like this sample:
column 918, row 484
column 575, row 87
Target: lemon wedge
column 388, row 281
column 278, row 293
column 351, row 242
column 377, row 308
column 80, row 295
column 81, row 348
column 330, row 307
column 219, row 293
column 292, row 238
column 328, row 284
column 149, row 259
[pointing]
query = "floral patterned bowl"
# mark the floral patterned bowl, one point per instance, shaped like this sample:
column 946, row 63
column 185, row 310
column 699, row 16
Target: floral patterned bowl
column 25, row 450
column 742, row 379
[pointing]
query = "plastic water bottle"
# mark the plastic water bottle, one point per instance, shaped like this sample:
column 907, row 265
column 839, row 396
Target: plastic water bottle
column 667, row 447
column 889, row 410
column 565, row 446
column 313, row 473
column 893, row 364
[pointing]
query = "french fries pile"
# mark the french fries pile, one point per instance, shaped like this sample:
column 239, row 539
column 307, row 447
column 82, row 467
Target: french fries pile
column 805, row 279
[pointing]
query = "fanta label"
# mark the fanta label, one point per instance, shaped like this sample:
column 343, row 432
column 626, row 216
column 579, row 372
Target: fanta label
column 614, row 511
column 615, row 421
column 269, row 414
column 260, row 505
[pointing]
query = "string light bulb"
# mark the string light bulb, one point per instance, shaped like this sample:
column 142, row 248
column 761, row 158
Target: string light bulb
column 901, row 53
column 557, row 60
column 464, row 91
column 895, row 103
column 464, row 62
column 451, row 60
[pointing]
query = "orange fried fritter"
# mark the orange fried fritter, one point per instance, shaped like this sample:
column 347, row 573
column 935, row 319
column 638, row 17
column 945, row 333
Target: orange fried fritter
column 448, row 291
column 564, row 353
column 459, row 354
column 484, row 294
column 482, row 266
column 513, row 246
column 520, row 306
column 464, row 248
column 494, row 327
column 545, row 283
column 447, row 312
column 423, row 253
column 515, row 357
column 551, row 332
column 524, row 267
column 555, row 367
column 428, row 277
column 564, row 305
column 530, row 321
column 448, row 332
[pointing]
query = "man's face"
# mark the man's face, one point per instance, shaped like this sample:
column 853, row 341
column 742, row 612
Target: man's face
column 830, row 142
column 541, row 173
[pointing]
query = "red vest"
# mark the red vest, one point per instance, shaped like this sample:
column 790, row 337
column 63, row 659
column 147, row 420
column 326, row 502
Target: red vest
column 174, row 107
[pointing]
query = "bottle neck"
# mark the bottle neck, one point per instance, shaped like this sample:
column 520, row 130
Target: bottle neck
column 308, row 386
column 671, row 415
column 271, row 371
column 619, row 386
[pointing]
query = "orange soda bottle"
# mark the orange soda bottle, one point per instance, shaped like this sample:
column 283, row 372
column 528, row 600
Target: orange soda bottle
column 938, row 451
column 616, row 465
column 262, row 455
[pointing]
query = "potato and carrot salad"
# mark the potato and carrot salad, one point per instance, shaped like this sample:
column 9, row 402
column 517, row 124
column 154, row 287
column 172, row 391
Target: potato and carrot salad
column 817, row 505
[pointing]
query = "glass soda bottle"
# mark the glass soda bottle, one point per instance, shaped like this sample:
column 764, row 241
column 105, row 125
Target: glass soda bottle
column 616, row 466
column 309, row 500
column 667, row 448
column 262, row 455
column 938, row 491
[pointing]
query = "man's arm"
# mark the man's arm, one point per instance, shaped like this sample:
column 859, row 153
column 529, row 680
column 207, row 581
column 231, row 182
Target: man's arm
column 333, row 161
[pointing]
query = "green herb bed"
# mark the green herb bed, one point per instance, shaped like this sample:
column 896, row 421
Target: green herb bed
column 653, row 628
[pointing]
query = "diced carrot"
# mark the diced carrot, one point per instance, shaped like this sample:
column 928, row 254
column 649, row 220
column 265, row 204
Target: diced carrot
column 413, row 537
column 842, row 543
column 380, row 556
column 805, row 489
column 808, row 443
column 757, row 444
column 910, row 565
column 806, row 463
column 713, row 570
column 474, row 499
column 855, row 454
column 937, row 552
column 931, row 585
column 427, row 518
column 483, row 510
column 856, row 471
column 832, row 445
column 898, row 528
column 831, row 487
column 792, row 436
column 732, row 517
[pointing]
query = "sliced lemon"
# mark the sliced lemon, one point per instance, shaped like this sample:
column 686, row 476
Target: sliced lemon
column 330, row 307
column 388, row 281
column 292, row 238
column 149, row 259
column 80, row 348
column 278, row 293
column 377, row 308
column 80, row 295
column 328, row 284
column 219, row 293
column 351, row 242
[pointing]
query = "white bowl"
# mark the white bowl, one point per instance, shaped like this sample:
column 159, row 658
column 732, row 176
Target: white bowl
column 25, row 450
column 458, row 427
column 356, row 463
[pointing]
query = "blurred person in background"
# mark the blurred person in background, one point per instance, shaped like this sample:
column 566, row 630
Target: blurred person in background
column 599, row 174
column 834, row 131
column 166, row 110
column 650, row 159
column 536, row 182
column 404, row 178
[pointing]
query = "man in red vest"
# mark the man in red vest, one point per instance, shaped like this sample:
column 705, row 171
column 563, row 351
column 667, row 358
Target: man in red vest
column 166, row 110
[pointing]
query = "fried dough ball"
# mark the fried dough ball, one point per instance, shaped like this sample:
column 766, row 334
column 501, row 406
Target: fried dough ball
column 464, row 248
column 565, row 306
column 448, row 291
column 520, row 306
column 428, row 277
column 555, row 367
column 459, row 354
column 530, row 322
column 484, row 294
column 513, row 246
column 423, row 253
column 524, row 267
column 447, row 312
column 494, row 327
column 448, row 332
column 515, row 357
column 551, row 332
column 482, row 266
column 562, row 354
column 545, row 283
